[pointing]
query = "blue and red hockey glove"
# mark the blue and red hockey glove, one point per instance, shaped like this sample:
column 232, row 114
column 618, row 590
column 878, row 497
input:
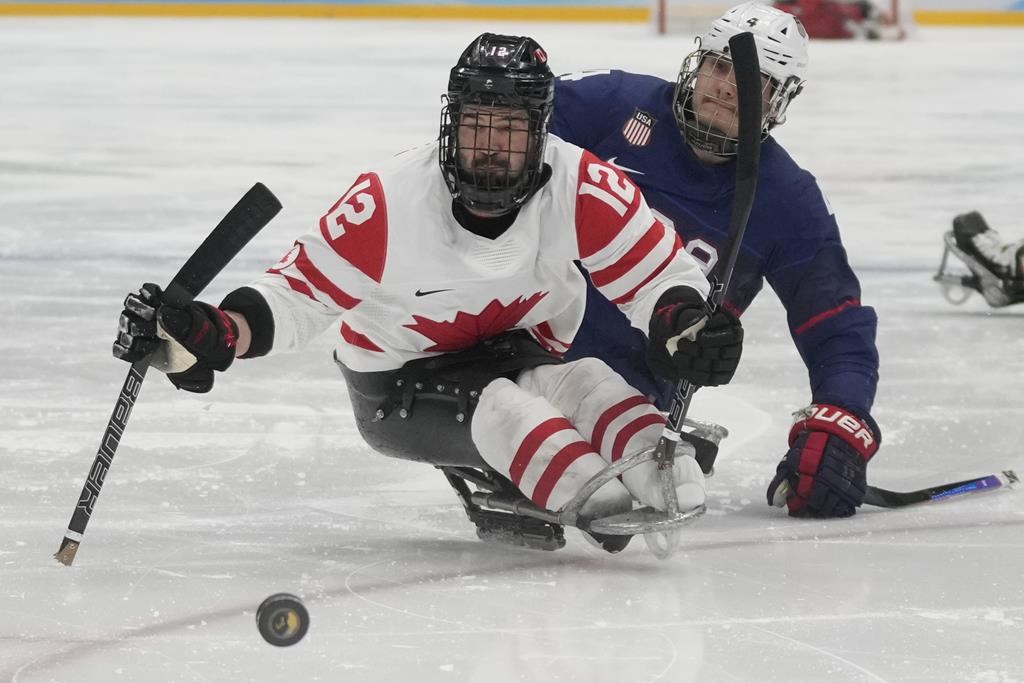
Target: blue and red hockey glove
column 187, row 343
column 825, row 468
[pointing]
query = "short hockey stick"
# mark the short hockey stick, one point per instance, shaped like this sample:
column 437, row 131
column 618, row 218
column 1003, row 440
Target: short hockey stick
column 896, row 499
column 253, row 211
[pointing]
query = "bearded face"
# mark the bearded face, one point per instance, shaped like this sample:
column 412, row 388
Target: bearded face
column 493, row 144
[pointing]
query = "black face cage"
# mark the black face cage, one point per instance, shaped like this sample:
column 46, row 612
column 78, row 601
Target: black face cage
column 704, row 135
column 490, row 169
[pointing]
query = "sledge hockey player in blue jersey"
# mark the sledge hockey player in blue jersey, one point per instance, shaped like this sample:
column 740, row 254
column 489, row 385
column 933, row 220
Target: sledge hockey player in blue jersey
column 677, row 142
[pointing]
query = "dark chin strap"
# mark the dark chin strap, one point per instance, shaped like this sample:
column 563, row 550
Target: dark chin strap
column 708, row 139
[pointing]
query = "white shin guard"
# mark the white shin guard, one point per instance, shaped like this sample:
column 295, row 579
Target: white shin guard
column 523, row 436
column 617, row 421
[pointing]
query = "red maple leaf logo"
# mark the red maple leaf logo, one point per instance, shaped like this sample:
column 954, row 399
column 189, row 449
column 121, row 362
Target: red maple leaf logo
column 468, row 329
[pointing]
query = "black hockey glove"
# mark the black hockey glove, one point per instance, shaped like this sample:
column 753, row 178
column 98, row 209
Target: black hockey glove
column 824, row 471
column 188, row 343
column 136, row 328
column 686, row 344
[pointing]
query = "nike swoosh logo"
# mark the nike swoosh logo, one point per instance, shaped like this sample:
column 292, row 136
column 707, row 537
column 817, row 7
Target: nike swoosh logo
column 420, row 292
column 627, row 169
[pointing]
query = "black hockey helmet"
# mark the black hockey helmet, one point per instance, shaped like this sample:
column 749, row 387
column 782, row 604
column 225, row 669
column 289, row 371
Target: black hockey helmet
column 501, row 90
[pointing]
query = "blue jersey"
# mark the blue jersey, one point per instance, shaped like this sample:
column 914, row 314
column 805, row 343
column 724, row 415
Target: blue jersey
column 791, row 240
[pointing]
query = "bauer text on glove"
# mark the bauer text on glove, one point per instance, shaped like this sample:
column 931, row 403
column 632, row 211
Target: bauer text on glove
column 824, row 474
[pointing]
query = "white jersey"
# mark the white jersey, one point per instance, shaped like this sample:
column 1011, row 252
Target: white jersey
column 407, row 281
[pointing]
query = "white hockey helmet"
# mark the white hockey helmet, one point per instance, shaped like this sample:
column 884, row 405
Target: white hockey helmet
column 782, row 54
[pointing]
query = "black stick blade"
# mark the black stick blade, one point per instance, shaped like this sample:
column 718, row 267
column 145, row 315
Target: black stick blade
column 253, row 211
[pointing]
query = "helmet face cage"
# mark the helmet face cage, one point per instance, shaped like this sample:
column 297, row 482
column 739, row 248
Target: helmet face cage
column 781, row 42
column 495, row 124
column 713, row 134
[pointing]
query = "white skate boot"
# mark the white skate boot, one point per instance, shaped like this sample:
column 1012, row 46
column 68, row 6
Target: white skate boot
column 689, row 480
column 996, row 266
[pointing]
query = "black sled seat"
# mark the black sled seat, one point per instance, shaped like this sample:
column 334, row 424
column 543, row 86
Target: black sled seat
column 421, row 412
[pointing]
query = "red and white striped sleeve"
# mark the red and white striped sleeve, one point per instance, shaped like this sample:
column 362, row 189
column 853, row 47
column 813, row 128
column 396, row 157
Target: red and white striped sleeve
column 632, row 258
column 330, row 270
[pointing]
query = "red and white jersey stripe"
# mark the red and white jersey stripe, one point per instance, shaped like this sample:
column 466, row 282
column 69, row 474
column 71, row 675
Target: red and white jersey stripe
column 389, row 265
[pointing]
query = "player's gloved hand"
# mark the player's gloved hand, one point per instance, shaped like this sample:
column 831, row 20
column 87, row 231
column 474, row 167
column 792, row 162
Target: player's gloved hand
column 824, row 472
column 136, row 328
column 686, row 344
column 188, row 343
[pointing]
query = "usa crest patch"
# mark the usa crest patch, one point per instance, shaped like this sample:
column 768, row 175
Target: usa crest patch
column 638, row 127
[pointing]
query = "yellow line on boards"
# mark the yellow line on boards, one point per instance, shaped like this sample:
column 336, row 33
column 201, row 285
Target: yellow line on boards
column 498, row 12
column 336, row 11
column 924, row 17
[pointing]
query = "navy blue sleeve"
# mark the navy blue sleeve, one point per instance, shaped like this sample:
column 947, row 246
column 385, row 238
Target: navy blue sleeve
column 574, row 119
column 833, row 332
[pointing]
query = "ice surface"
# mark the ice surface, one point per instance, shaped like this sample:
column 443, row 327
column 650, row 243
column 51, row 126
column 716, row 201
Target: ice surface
column 124, row 141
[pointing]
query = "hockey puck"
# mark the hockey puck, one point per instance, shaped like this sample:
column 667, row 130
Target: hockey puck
column 282, row 619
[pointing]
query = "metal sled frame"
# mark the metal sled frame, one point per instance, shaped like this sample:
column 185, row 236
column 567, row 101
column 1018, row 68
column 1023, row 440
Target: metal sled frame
column 508, row 526
column 957, row 288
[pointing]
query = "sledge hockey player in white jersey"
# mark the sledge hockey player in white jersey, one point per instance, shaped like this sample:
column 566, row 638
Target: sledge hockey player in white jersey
column 457, row 293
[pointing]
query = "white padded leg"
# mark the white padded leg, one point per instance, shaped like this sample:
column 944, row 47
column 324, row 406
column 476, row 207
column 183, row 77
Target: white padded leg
column 617, row 421
column 524, row 437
